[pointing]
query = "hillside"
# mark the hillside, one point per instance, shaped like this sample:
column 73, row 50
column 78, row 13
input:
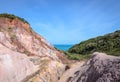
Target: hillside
column 109, row 43
column 99, row 68
column 12, row 16
column 26, row 56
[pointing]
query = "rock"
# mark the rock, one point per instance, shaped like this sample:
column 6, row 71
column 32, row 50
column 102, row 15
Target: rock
column 99, row 68
column 20, row 37
column 49, row 71
column 14, row 66
column 74, row 67
column 26, row 56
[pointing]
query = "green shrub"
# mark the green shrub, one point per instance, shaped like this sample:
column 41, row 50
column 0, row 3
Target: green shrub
column 13, row 37
column 11, row 16
column 10, row 29
column 74, row 56
column 108, row 43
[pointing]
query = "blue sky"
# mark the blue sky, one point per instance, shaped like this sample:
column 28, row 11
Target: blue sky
column 67, row 21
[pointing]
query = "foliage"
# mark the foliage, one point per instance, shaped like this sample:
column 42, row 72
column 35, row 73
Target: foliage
column 11, row 16
column 76, row 56
column 13, row 37
column 109, row 43
column 10, row 29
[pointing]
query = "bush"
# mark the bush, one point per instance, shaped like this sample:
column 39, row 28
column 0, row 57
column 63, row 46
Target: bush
column 76, row 56
column 10, row 29
column 107, row 43
column 11, row 16
column 13, row 37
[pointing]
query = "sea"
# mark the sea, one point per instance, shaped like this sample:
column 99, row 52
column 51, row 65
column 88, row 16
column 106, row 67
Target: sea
column 63, row 47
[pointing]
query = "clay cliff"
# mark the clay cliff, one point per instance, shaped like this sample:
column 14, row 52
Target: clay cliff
column 26, row 56
column 99, row 68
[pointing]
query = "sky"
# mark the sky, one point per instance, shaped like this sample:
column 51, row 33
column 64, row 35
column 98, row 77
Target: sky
column 67, row 21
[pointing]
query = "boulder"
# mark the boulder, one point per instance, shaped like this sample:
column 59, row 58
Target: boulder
column 99, row 68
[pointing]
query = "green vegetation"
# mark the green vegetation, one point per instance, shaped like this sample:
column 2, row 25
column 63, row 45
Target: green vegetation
column 11, row 16
column 26, row 52
column 74, row 56
column 13, row 37
column 109, row 43
column 10, row 29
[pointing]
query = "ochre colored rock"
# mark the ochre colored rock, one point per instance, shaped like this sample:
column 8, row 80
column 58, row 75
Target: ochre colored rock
column 26, row 56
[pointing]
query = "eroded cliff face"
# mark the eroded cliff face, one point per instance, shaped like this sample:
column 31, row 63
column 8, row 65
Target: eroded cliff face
column 26, row 56
column 19, row 36
column 99, row 68
column 14, row 66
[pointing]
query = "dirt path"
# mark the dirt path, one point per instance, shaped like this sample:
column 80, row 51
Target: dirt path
column 71, row 71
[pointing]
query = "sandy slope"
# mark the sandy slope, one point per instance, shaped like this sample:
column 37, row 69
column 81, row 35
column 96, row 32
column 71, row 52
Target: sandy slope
column 70, row 72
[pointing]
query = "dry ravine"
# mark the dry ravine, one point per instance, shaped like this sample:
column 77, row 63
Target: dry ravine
column 99, row 68
column 26, row 56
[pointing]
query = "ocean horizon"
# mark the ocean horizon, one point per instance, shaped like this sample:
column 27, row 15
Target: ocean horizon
column 63, row 47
